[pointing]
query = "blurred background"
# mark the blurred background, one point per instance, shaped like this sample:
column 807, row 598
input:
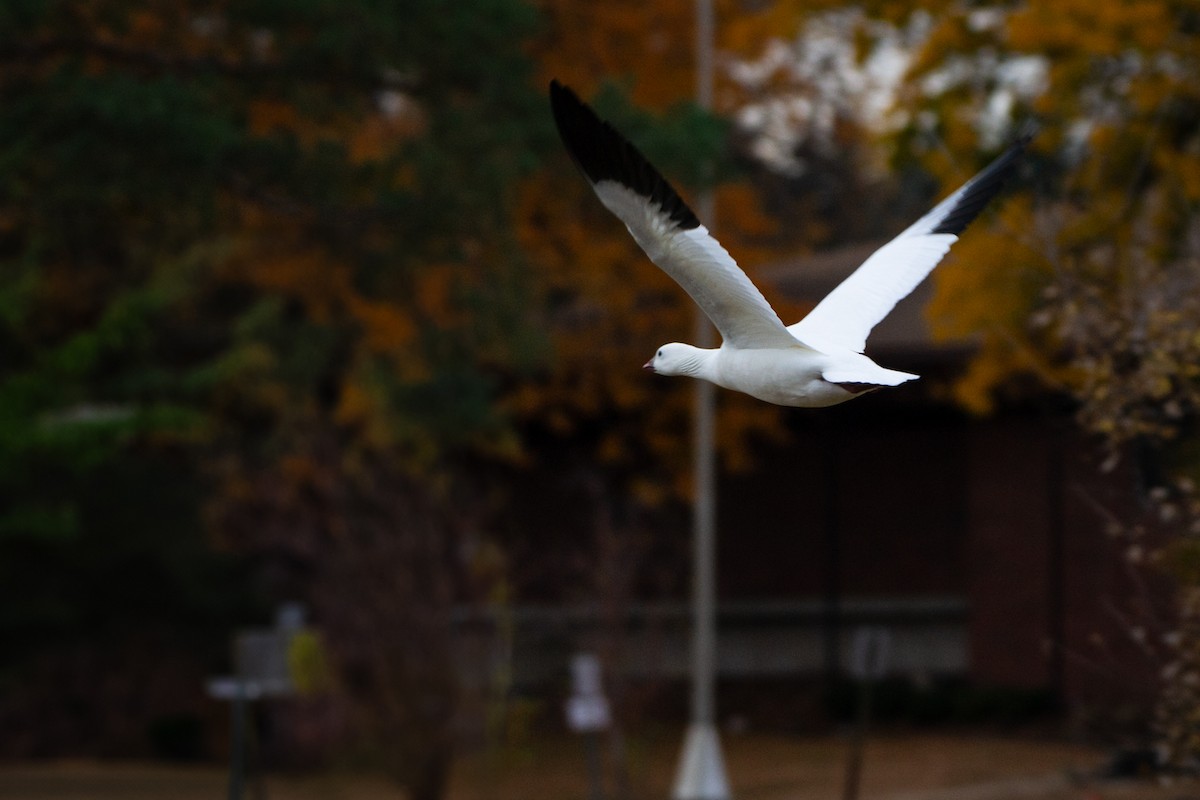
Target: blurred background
column 320, row 364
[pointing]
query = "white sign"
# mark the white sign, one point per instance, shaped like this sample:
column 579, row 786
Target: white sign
column 870, row 652
column 587, row 714
column 587, row 707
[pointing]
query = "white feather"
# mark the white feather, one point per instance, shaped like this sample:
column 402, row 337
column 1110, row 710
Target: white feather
column 846, row 316
column 701, row 266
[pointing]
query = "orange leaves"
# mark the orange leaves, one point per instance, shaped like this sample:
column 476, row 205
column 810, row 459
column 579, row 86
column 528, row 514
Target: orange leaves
column 984, row 292
column 650, row 47
column 435, row 294
column 268, row 115
column 1040, row 26
column 145, row 25
column 306, row 275
column 361, row 406
column 1185, row 168
column 950, row 36
column 743, row 30
column 375, row 135
column 976, row 289
column 650, row 43
column 594, row 274
column 365, row 137
column 1084, row 26
column 386, row 327
column 739, row 210
column 607, row 307
column 371, row 140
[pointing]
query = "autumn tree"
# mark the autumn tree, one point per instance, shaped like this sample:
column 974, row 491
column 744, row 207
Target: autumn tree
column 270, row 244
column 1089, row 282
column 268, row 257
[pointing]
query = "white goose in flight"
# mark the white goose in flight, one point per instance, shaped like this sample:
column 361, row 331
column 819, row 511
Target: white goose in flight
column 818, row 361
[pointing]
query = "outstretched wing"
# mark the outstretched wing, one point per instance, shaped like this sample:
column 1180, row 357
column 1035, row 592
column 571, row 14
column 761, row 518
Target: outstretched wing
column 846, row 316
column 663, row 225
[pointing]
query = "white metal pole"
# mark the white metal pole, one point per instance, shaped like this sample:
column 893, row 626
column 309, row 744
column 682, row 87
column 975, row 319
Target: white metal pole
column 701, row 773
column 704, row 509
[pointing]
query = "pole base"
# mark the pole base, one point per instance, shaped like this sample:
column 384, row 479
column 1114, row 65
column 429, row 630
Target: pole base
column 701, row 774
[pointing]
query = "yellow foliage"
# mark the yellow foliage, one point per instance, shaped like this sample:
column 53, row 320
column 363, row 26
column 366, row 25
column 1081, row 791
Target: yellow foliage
column 987, row 280
column 435, row 293
column 739, row 209
column 387, row 328
column 145, row 24
column 650, row 47
column 355, row 405
column 308, row 666
column 377, row 135
column 299, row 468
column 268, row 115
column 308, row 276
column 1125, row 67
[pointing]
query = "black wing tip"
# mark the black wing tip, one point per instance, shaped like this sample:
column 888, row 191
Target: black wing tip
column 985, row 185
column 602, row 153
column 1026, row 131
column 561, row 95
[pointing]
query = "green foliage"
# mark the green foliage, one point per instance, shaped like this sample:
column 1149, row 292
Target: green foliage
column 84, row 560
column 228, row 232
column 126, row 159
column 684, row 142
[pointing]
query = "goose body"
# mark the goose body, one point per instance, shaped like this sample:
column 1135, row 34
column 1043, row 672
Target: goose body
column 794, row 375
column 818, row 361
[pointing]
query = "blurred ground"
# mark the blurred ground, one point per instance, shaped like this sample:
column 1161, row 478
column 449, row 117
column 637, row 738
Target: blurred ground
column 908, row 767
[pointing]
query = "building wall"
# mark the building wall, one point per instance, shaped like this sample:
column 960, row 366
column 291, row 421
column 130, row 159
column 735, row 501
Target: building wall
column 1105, row 598
column 862, row 502
column 895, row 499
column 1010, row 518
